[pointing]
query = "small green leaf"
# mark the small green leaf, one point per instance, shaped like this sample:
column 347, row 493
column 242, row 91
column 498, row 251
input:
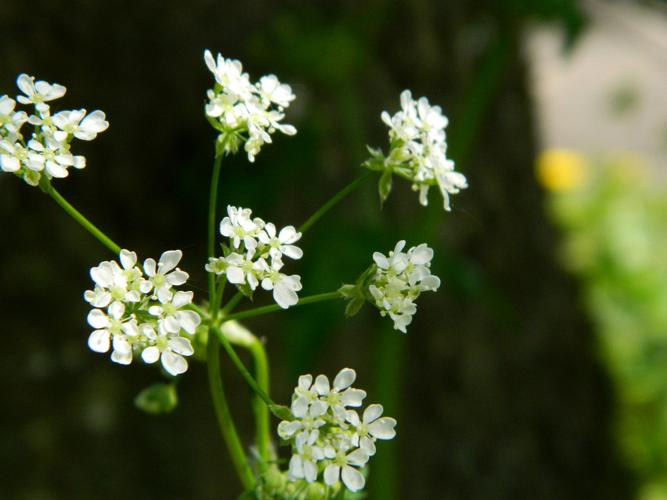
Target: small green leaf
column 282, row 412
column 157, row 398
column 354, row 306
column 384, row 186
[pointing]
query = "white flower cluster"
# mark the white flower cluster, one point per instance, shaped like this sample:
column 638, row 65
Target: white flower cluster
column 255, row 254
column 327, row 437
column 137, row 312
column 242, row 111
column 398, row 280
column 418, row 150
column 46, row 151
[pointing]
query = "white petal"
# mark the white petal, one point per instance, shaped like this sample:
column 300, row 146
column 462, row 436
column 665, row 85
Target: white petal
column 128, row 259
column 169, row 260
column 322, row 385
column 97, row 319
column 189, row 320
column 177, row 277
column 305, row 381
column 353, row 479
column 182, row 298
column 353, row 397
column 357, row 457
column 149, row 267
column 383, row 428
column 123, row 358
column 300, row 407
column 181, row 346
column 331, row 474
column 381, row 261
column 309, row 471
column 373, row 412
column 344, row 379
column 99, row 341
column 284, row 295
column 150, row 354
column 175, row 364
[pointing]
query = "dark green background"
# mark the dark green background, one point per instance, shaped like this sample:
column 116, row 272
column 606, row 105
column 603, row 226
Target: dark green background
column 497, row 387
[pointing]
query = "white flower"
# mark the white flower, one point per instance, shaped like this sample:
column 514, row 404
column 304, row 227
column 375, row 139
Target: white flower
column 418, row 151
column 144, row 315
column 303, row 464
column 254, row 255
column 10, row 120
column 240, row 228
column 166, row 275
column 370, row 427
column 242, row 111
column 46, row 152
column 284, row 287
column 399, row 279
column 79, row 125
column 344, row 465
column 38, row 92
column 170, row 349
column 282, row 243
column 324, row 445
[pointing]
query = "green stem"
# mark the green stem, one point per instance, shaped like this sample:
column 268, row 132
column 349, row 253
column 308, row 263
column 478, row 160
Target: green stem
column 212, row 204
column 225, row 422
column 77, row 216
column 258, row 311
column 233, row 302
column 222, row 412
column 254, row 385
column 262, row 418
column 334, row 200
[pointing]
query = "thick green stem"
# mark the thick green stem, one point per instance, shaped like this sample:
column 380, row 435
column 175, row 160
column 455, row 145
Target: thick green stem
column 77, row 216
column 222, row 412
column 225, row 422
column 262, row 417
column 258, row 311
column 333, row 201
column 254, row 385
column 233, row 302
column 212, row 204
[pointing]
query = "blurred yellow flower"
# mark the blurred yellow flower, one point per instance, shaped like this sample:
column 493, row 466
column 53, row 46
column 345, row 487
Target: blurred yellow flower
column 560, row 169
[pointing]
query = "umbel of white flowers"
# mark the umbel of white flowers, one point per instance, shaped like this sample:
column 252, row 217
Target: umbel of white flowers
column 242, row 111
column 330, row 442
column 254, row 256
column 393, row 283
column 46, row 149
column 139, row 312
column 417, row 151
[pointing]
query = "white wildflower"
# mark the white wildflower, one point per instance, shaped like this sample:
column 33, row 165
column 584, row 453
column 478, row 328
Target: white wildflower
column 39, row 92
column 47, row 150
column 326, row 447
column 253, row 256
column 398, row 279
column 138, row 312
column 418, row 151
column 244, row 112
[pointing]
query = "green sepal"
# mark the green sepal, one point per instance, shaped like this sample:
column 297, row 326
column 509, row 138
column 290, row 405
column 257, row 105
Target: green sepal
column 354, row 306
column 281, row 411
column 157, row 398
column 384, row 186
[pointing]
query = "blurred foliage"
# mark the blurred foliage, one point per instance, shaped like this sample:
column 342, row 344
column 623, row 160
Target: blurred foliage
column 614, row 217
